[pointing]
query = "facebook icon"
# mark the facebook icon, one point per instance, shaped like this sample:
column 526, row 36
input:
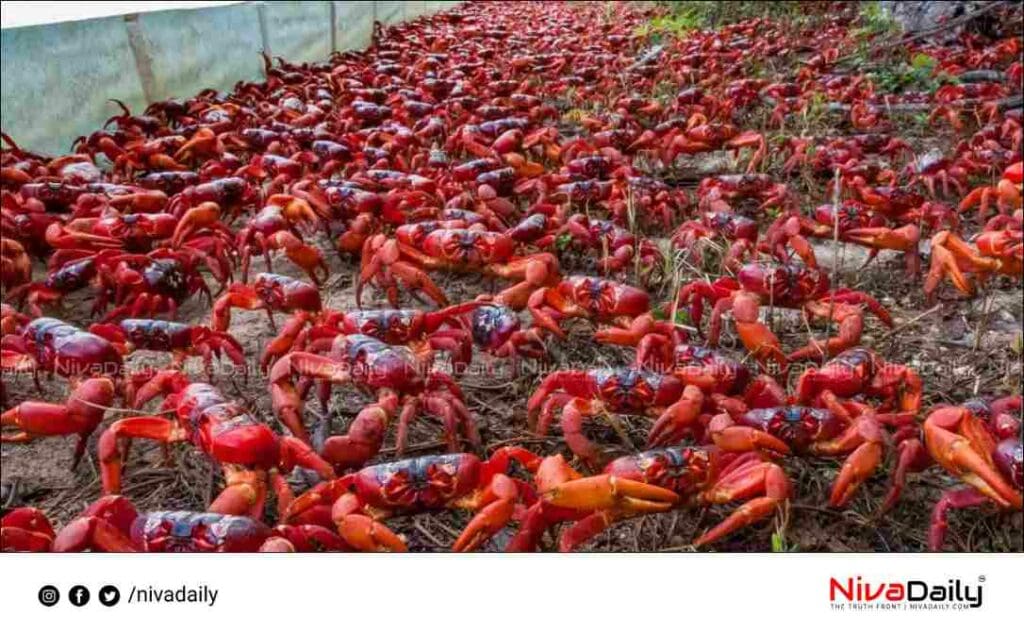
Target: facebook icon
column 79, row 596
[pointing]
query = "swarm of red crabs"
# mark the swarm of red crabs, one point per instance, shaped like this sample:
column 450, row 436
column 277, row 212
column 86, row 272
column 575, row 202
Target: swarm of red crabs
column 560, row 172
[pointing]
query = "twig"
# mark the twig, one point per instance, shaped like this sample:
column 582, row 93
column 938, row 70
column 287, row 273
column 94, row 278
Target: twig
column 904, row 326
column 426, row 533
column 986, row 307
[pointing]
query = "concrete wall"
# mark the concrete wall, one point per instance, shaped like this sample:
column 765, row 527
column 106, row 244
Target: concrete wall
column 57, row 78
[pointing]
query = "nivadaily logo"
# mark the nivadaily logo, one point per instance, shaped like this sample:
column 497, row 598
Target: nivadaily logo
column 861, row 594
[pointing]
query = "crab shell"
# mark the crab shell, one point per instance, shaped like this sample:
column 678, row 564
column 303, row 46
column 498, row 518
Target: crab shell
column 69, row 350
column 682, row 469
column 604, row 297
column 225, row 430
column 731, row 225
column 183, row 531
column 632, row 390
column 493, row 325
column 850, row 371
column 420, row 484
column 377, row 365
column 730, row 376
column 284, row 293
column 797, row 426
column 1009, row 459
column 852, row 215
column 393, row 327
column 468, row 247
column 350, row 199
column 786, row 285
column 157, row 335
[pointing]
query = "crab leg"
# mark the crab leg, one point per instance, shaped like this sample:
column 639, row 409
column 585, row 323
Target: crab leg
column 497, row 505
column 756, row 337
column 951, row 500
column 148, row 427
column 865, row 439
column 911, row 457
column 82, row 413
column 851, row 325
column 365, row 435
column 572, row 429
column 286, row 402
column 748, row 480
column 640, row 327
column 244, row 494
column 306, row 257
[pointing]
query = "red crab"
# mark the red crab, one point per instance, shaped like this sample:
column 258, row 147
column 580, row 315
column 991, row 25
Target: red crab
column 621, row 390
column 991, row 253
column 393, row 373
column 81, row 414
column 248, row 451
column 843, row 429
column 696, row 135
column 423, row 332
column 860, row 371
column 652, row 481
column 278, row 225
column 694, row 365
column 980, row 445
column 498, row 330
column 65, row 278
column 1007, row 193
column 270, row 292
column 618, row 246
column 89, row 362
column 625, row 308
column 153, row 283
column 738, row 231
column 404, row 257
column 360, row 501
column 788, row 286
column 112, row 524
column 726, row 192
column 15, row 265
column 858, row 224
column 26, row 529
column 180, row 339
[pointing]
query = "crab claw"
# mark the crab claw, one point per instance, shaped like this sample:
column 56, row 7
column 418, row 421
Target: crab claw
column 729, row 437
column 26, row 530
column 603, row 492
column 856, row 469
column 904, row 238
column 367, row 535
column 201, row 216
column 959, row 456
column 491, row 518
column 322, row 494
column 361, row 531
column 678, row 418
column 306, row 257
